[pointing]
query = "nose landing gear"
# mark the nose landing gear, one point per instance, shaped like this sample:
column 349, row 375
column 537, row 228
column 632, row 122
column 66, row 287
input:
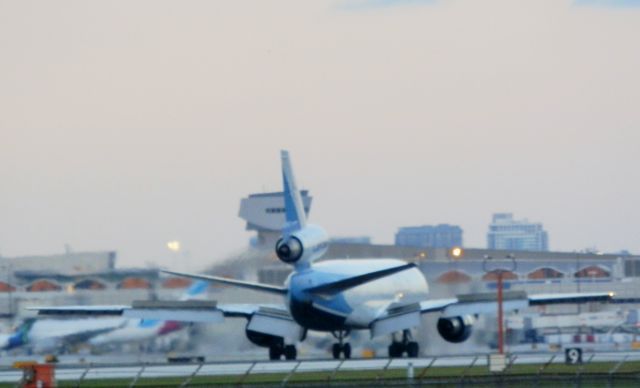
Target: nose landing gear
column 406, row 345
column 341, row 347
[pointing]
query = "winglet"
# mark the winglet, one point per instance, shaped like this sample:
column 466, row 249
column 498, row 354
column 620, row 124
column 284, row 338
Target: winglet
column 294, row 210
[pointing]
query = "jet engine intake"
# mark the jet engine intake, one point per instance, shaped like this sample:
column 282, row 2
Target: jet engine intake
column 302, row 246
column 289, row 249
column 455, row 329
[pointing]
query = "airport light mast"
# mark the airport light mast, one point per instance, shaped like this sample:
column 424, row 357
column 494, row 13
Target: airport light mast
column 500, row 286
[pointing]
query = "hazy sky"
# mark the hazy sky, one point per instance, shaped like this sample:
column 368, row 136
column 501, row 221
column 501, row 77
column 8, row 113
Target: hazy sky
column 126, row 124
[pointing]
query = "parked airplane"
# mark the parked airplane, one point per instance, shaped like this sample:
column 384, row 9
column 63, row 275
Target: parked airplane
column 45, row 335
column 143, row 330
column 17, row 338
column 385, row 297
column 52, row 334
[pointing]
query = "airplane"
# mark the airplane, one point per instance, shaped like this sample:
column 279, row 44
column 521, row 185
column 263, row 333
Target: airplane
column 386, row 297
column 18, row 337
column 45, row 335
column 143, row 330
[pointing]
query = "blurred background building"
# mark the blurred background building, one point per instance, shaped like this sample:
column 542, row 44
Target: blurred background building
column 264, row 213
column 428, row 236
column 522, row 235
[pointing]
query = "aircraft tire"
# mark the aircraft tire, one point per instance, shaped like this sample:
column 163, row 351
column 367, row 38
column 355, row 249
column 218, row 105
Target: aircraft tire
column 346, row 350
column 395, row 350
column 275, row 352
column 335, row 350
column 290, row 352
column 413, row 349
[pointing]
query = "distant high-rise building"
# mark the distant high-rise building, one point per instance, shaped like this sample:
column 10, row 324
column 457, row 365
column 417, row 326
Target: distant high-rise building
column 428, row 236
column 352, row 240
column 521, row 235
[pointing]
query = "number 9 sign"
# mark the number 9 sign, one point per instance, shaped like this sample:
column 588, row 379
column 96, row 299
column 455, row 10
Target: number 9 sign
column 573, row 356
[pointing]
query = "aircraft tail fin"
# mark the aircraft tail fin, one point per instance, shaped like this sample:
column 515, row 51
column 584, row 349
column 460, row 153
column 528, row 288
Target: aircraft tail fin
column 294, row 209
column 21, row 335
column 196, row 290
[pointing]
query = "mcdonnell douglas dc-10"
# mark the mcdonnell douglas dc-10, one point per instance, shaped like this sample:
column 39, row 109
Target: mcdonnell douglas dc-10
column 384, row 296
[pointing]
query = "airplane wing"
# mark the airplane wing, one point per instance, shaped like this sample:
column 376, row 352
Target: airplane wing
column 183, row 311
column 398, row 317
column 238, row 283
column 81, row 310
column 333, row 288
column 270, row 319
column 486, row 303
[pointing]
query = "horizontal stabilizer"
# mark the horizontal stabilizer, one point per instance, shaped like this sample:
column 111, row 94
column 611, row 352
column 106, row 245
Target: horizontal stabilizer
column 345, row 284
column 233, row 282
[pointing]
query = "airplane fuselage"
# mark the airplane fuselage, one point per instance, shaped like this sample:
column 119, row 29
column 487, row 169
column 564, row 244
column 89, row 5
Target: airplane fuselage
column 137, row 331
column 356, row 307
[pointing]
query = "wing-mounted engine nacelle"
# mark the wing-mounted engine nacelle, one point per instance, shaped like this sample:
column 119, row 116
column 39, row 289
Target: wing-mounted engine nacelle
column 455, row 329
column 305, row 245
column 264, row 340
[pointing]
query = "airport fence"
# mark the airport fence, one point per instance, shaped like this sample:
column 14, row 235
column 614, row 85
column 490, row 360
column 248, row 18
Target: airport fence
column 610, row 369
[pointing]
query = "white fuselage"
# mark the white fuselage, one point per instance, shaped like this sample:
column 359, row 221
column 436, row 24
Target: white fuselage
column 356, row 307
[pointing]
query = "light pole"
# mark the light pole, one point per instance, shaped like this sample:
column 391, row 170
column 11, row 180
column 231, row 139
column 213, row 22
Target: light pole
column 500, row 274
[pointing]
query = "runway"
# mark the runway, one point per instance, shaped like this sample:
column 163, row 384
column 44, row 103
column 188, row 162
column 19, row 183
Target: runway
column 76, row 372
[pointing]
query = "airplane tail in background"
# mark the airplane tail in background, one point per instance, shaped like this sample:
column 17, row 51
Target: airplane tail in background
column 197, row 290
column 294, row 209
column 19, row 337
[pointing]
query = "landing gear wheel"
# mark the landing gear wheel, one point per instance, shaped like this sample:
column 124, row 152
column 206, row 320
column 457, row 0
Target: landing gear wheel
column 396, row 350
column 413, row 349
column 346, row 350
column 290, row 352
column 336, row 351
column 341, row 347
column 404, row 345
column 275, row 352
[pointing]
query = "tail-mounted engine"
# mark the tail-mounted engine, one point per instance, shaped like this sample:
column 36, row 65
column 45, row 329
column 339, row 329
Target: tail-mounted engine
column 455, row 329
column 289, row 249
column 304, row 245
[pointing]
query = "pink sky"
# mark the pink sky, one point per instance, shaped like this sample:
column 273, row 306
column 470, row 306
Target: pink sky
column 125, row 125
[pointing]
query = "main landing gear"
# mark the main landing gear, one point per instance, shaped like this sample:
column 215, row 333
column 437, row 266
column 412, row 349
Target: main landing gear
column 276, row 351
column 405, row 345
column 341, row 347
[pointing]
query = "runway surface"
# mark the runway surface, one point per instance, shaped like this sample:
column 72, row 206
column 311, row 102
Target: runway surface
column 124, row 371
